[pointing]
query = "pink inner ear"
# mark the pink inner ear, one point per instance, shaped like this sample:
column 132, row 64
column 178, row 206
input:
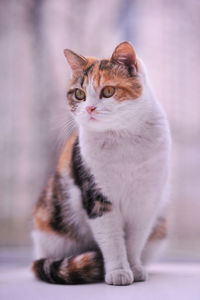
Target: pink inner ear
column 126, row 58
column 76, row 61
column 124, row 53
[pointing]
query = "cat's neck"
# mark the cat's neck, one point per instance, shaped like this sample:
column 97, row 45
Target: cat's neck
column 111, row 137
column 146, row 131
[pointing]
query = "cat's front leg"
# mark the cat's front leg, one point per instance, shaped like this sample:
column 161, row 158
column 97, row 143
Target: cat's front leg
column 135, row 242
column 109, row 235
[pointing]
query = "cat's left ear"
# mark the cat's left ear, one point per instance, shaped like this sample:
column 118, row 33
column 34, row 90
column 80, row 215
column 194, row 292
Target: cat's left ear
column 77, row 62
column 125, row 54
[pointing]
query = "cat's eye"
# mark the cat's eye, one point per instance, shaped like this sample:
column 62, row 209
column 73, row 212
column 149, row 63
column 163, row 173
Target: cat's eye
column 108, row 91
column 79, row 94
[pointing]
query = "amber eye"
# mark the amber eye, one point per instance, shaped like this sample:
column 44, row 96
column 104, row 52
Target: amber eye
column 108, row 91
column 79, row 94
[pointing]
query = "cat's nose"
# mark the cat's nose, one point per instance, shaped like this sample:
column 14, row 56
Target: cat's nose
column 90, row 109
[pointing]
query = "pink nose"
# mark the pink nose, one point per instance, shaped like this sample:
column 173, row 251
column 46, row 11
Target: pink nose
column 90, row 109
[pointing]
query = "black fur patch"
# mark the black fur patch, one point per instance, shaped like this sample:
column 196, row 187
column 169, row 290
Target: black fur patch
column 82, row 81
column 105, row 64
column 52, row 276
column 38, row 269
column 94, row 202
column 86, row 73
column 54, row 271
column 61, row 213
column 130, row 70
column 89, row 69
column 56, row 220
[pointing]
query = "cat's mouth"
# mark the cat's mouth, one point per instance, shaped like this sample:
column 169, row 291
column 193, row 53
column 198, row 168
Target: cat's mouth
column 92, row 118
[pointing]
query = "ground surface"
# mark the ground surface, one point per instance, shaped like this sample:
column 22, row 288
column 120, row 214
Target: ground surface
column 166, row 281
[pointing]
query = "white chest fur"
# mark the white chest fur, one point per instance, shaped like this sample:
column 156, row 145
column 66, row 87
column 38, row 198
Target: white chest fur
column 130, row 168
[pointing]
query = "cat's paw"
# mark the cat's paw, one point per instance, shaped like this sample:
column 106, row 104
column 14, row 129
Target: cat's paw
column 119, row 277
column 140, row 274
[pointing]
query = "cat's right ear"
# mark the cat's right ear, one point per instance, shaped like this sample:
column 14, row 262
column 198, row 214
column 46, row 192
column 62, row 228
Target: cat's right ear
column 77, row 62
column 125, row 54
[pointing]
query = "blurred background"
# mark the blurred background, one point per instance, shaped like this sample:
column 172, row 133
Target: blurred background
column 33, row 77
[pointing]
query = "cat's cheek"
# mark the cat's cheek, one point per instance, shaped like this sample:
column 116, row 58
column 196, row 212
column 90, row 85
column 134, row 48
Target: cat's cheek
column 77, row 111
column 72, row 107
column 81, row 118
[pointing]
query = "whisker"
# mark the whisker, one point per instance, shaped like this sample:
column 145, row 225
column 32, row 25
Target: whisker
column 64, row 128
column 62, row 137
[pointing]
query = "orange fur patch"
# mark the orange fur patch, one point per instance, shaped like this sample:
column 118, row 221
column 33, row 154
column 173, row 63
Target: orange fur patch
column 41, row 219
column 160, row 230
column 41, row 214
column 81, row 261
column 65, row 158
column 84, row 264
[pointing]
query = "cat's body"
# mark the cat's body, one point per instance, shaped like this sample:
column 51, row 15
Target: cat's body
column 102, row 212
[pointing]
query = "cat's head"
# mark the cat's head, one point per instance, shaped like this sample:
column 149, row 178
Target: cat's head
column 103, row 94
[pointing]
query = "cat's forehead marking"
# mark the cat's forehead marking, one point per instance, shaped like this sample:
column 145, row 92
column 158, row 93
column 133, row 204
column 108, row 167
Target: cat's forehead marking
column 105, row 64
column 92, row 78
column 99, row 73
column 89, row 69
column 87, row 73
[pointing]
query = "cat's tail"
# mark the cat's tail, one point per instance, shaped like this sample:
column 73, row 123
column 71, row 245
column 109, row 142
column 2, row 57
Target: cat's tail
column 84, row 268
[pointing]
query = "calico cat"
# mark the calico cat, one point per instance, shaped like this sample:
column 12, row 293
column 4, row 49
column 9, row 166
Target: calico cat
column 101, row 215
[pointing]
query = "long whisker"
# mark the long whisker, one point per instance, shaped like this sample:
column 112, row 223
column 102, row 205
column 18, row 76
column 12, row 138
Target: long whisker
column 64, row 128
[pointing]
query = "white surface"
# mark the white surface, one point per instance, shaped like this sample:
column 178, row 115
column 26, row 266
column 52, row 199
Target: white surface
column 166, row 281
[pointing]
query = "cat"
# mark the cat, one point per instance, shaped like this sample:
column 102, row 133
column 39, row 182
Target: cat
column 102, row 214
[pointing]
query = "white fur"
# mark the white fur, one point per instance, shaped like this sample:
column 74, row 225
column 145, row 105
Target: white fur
column 52, row 245
column 127, row 150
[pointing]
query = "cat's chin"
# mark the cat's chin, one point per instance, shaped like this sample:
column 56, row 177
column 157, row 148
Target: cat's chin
column 92, row 119
column 94, row 125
